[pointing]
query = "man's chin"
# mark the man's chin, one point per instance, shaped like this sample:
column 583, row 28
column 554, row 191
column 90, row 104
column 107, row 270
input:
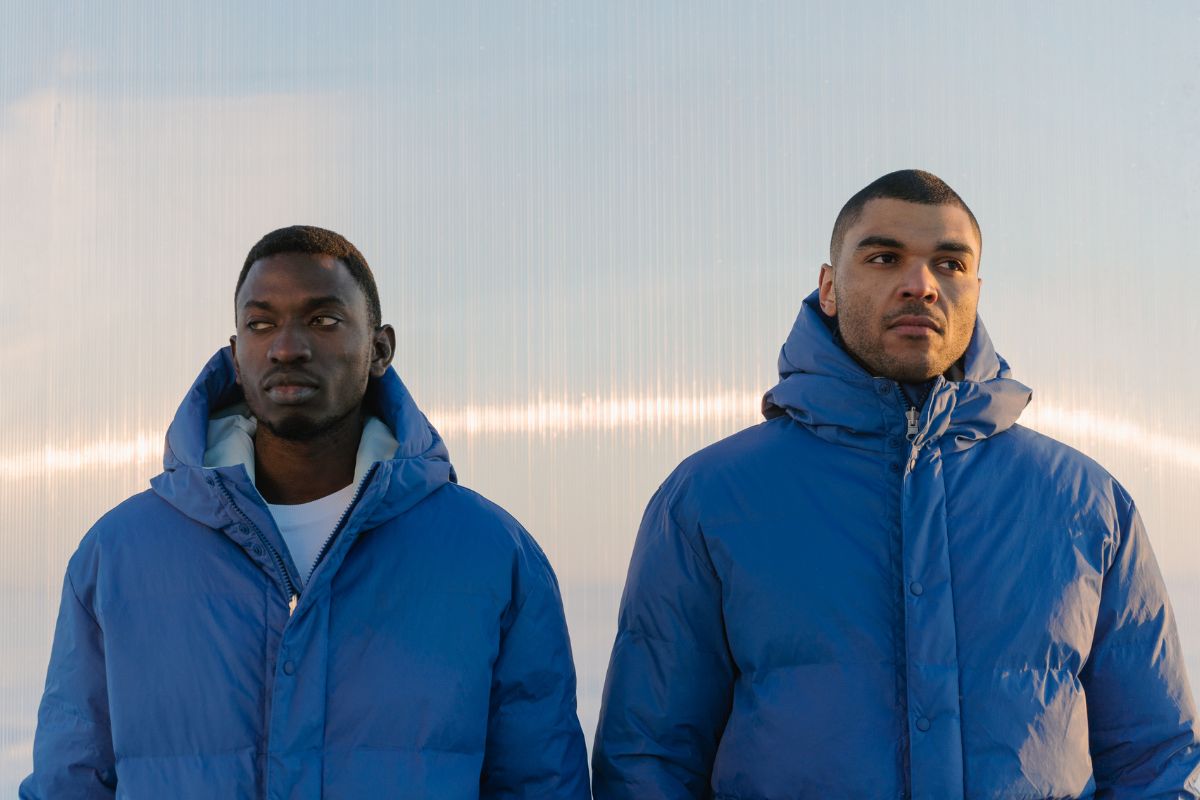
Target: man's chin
column 918, row 371
column 910, row 370
column 296, row 428
column 913, row 364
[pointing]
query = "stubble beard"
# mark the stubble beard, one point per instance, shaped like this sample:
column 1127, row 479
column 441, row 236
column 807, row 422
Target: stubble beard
column 297, row 428
column 863, row 339
column 303, row 430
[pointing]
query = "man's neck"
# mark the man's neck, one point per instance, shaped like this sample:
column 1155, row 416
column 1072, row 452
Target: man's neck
column 289, row 472
column 916, row 392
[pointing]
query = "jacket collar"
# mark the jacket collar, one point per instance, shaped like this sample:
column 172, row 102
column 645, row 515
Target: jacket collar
column 413, row 460
column 231, row 442
column 826, row 390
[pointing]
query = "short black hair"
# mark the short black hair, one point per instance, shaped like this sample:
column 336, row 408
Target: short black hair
column 911, row 185
column 316, row 241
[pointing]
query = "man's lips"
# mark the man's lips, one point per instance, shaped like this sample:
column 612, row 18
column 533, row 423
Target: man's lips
column 290, row 389
column 914, row 325
column 288, row 394
column 283, row 379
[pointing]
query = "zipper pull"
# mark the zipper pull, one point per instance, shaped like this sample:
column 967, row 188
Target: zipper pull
column 292, row 604
column 912, row 415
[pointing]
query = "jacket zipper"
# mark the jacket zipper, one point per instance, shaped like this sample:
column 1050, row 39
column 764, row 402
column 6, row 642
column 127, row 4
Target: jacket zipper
column 337, row 528
column 912, row 419
column 293, row 593
column 913, row 415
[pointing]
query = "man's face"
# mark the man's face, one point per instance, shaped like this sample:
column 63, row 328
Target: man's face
column 305, row 348
column 905, row 288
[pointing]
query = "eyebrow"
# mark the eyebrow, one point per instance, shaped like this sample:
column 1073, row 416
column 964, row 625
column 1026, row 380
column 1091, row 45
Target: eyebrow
column 951, row 246
column 947, row 246
column 880, row 241
column 312, row 302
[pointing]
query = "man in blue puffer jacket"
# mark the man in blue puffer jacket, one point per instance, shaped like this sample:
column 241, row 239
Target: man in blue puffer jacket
column 889, row 589
column 306, row 604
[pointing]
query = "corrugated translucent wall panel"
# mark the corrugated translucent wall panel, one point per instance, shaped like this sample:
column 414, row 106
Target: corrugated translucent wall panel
column 592, row 224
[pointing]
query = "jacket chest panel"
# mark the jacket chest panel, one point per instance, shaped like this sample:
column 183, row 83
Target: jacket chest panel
column 400, row 680
column 195, row 660
column 1028, row 589
column 817, row 586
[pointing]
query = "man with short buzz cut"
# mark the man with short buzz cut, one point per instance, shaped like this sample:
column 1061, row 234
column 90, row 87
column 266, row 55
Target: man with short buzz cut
column 889, row 588
column 306, row 604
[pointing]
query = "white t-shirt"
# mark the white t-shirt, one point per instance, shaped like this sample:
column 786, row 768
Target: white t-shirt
column 306, row 526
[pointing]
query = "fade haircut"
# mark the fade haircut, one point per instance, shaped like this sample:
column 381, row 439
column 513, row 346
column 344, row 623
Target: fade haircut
column 317, row 241
column 910, row 185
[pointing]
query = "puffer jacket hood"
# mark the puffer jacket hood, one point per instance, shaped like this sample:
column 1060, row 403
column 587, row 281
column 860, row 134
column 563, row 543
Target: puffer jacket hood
column 419, row 466
column 821, row 387
column 832, row 606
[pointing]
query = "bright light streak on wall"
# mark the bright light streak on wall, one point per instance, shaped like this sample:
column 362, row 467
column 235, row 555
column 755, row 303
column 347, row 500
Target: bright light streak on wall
column 730, row 411
column 143, row 449
column 1082, row 425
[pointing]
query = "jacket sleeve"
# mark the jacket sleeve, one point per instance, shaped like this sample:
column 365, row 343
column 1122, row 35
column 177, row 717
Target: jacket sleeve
column 72, row 749
column 535, row 747
column 670, row 679
column 1145, row 738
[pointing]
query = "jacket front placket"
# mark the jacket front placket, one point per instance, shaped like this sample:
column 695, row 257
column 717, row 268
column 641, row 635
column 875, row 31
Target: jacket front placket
column 253, row 528
column 934, row 713
column 297, row 719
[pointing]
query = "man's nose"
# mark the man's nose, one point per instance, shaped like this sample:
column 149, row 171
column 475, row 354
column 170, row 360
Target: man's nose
column 290, row 343
column 919, row 282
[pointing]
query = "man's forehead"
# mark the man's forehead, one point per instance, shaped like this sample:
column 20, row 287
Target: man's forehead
column 298, row 277
column 912, row 224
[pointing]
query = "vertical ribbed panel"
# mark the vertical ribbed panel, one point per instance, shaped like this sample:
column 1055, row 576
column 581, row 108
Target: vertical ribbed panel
column 592, row 225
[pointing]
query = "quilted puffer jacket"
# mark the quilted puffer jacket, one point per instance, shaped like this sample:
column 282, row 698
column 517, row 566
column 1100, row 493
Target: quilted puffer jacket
column 821, row 607
column 425, row 657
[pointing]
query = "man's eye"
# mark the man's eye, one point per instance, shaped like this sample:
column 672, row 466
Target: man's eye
column 954, row 265
column 325, row 321
column 882, row 258
column 257, row 324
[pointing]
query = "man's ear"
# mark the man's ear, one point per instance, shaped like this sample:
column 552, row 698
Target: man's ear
column 237, row 373
column 827, row 295
column 383, row 348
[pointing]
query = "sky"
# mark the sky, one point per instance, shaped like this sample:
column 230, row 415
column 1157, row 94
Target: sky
column 592, row 226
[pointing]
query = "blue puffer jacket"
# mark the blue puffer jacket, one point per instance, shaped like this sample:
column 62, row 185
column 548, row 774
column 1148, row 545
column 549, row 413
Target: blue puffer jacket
column 818, row 609
column 427, row 656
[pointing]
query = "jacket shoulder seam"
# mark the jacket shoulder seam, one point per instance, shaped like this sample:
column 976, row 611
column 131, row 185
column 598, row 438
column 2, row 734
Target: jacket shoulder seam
column 83, row 605
column 704, row 558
